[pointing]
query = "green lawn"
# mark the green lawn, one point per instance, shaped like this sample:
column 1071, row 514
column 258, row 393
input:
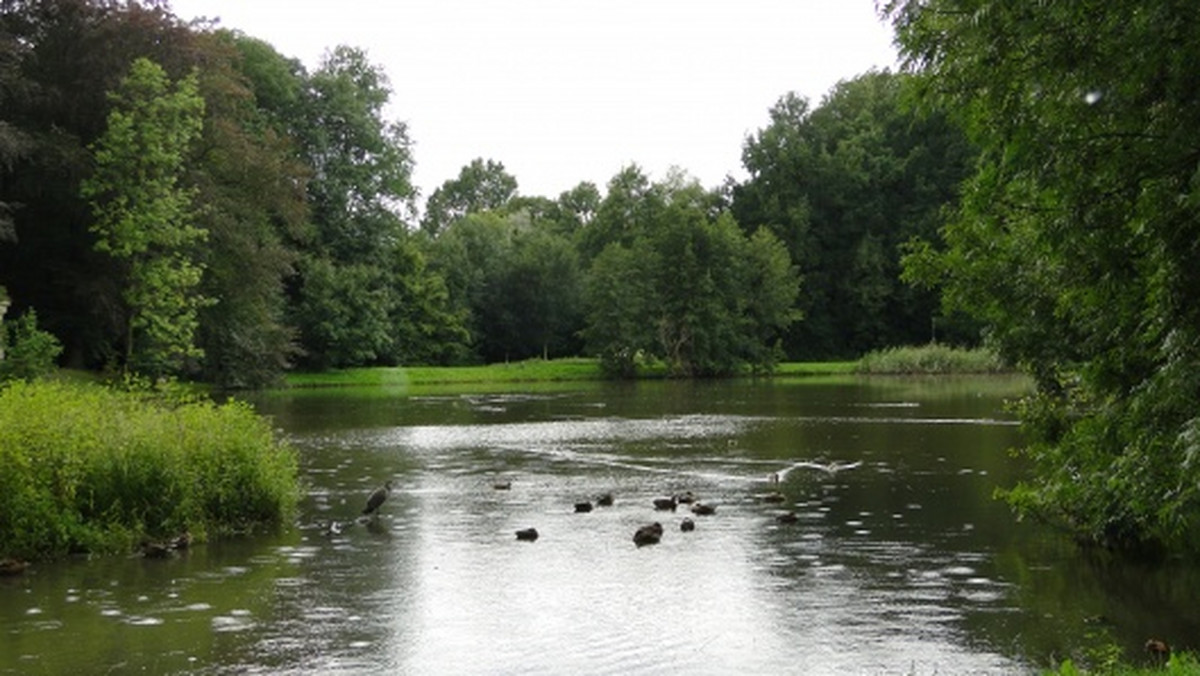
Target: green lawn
column 533, row 370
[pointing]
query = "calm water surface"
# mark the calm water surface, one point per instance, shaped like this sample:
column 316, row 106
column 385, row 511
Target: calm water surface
column 900, row 562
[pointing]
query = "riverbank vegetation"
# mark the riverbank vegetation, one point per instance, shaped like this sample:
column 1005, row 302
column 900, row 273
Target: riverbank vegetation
column 931, row 360
column 1075, row 243
column 1179, row 664
column 87, row 468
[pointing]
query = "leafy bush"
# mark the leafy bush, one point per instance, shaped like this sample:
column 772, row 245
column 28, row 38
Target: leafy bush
column 29, row 352
column 931, row 359
column 85, row 468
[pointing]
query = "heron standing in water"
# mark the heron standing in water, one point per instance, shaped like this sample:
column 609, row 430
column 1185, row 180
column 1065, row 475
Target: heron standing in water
column 378, row 497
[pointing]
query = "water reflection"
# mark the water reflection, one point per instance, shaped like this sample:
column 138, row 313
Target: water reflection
column 898, row 560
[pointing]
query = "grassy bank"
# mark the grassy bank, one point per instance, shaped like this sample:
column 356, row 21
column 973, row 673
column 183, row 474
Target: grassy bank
column 534, row 370
column 931, row 359
column 84, row 468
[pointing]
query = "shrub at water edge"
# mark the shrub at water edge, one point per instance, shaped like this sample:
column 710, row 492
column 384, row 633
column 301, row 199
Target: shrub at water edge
column 89, row 469
column 931, row 359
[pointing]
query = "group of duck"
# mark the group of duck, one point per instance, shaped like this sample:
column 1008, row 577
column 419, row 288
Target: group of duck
column 652, row 533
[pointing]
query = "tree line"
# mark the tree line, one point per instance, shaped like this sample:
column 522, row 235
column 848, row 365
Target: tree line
column 181, row 199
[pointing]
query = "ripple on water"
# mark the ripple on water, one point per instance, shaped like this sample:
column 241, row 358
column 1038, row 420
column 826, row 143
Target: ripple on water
column 292, row 582
column 236, row 620
column 143, row 621
column 45, row 625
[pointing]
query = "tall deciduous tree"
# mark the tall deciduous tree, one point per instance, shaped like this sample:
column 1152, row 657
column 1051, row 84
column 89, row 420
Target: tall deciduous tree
column 843, row 185
column 351, row 298
column 1076, row 241
column 144, row 216
column 250, row 198
column 683, row 285
column 480, row 186
column 516, row 280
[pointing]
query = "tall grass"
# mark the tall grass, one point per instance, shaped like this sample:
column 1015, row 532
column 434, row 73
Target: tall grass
column 87, row 468
column 1179, row 664
column 931, row 359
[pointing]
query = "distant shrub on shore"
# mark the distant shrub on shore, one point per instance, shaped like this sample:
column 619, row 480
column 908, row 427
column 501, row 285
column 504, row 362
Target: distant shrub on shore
column 84, row 468
column 931, row 359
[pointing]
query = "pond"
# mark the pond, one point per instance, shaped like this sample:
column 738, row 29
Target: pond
column 899, row 559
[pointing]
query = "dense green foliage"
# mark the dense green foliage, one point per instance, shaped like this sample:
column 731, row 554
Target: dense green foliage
column 480, row 186
column 516, row 281
column 1076, row 241
column 843, row 185
column 685, row 287
column 29, row 352
column 143, row 217
column 86, row 468
column 277, row 226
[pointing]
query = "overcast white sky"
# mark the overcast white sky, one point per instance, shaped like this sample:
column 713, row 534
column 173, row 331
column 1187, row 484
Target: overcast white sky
column 563, row 91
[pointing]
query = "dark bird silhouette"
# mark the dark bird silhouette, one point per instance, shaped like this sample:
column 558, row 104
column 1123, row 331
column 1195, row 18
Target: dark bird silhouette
column 605, row 500
column 1158, row 648
column 527, row 534
column 582, row 507
column 685, row 498
column 648, row 535
column 156, row 550
column 378, row 497
column 12, row 567
column 502, row 485
column 701, row 509
column 687, row 525
column 789, row 517
column 666, row 503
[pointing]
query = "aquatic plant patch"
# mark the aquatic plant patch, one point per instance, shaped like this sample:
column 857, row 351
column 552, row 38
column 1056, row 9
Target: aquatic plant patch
column 84, row 468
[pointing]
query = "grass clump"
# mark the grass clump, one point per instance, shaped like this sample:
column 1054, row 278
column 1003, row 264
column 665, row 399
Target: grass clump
column 1178, row 664
column 84, row 468
column 931, row 359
